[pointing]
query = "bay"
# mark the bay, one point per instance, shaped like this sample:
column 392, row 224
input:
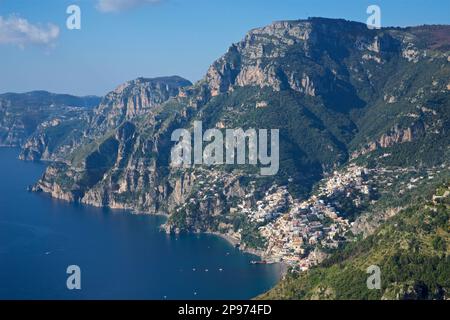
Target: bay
column 121, row 255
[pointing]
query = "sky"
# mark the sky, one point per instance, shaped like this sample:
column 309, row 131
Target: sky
column 120, row 40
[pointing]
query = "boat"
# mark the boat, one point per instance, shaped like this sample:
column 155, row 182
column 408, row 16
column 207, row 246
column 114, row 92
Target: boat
column 258, row 262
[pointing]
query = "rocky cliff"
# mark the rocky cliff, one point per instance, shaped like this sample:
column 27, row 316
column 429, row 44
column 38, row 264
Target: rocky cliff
column 57, row 139
column 134, row 98
column 332, row 88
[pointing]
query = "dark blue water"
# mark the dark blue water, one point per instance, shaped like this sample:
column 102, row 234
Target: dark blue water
column 121, row 255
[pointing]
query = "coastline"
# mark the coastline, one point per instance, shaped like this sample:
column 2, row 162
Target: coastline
column 153, row 253
column 134, row 211
column 258, row 253
column 237, row 243
column 163, row 227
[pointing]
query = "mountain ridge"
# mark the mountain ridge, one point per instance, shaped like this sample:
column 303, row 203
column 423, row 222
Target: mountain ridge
column 363, row 114
column 22, row 113
column 70, row 134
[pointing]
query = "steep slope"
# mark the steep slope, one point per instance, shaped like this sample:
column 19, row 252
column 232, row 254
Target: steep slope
column 134, row 98
column 336, row 90
column 56, row 141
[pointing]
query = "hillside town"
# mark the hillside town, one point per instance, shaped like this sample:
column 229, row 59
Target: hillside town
column 299, row 235
column 299, row 232
column 295, row 236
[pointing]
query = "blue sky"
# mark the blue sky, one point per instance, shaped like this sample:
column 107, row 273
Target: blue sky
column 121, row 40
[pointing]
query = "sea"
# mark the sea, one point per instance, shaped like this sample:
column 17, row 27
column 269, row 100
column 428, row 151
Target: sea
column 117, row 254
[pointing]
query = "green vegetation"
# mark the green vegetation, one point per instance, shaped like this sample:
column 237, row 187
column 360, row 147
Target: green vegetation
column 21, row 114
column 339, row 94
column 411, row 249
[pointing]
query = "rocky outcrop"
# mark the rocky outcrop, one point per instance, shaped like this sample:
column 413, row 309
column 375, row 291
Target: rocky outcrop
column 395, row 136
column 368, row 223
column 209, row 207
column 247, row 62
column 36, row 148
column 51, row 184
column 132, row 99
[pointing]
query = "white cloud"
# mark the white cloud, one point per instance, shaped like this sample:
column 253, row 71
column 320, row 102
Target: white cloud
column 119, row 5
column 18, row 31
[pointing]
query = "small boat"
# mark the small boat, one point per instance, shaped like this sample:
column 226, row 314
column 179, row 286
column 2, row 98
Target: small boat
column 258, row 262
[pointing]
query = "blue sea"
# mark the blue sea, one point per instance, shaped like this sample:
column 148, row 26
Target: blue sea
column 120, row 255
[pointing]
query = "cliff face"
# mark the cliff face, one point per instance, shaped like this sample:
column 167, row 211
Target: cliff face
column 393, row 137
column 116, row 169
column 58, row 138
column 50, row 185
column 253, row 61
column 134, row 98
column 316, row 57
column 332, row 87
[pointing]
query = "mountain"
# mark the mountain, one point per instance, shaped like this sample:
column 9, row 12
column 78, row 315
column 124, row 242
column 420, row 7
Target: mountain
column 21, row 114
column 364, row 128
column 44, row 98
column 54, row 142
column 134, row 98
